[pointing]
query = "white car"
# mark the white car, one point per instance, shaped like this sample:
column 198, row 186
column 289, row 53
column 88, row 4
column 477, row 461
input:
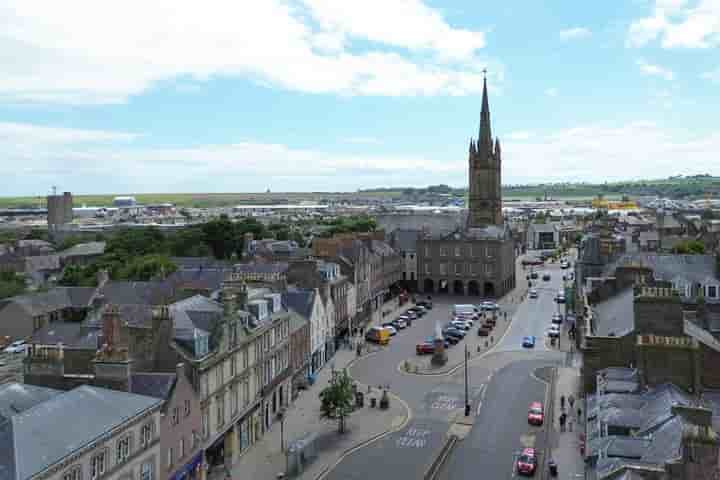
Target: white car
column 391, row 329
column 489, row 306
column 554, row 331
column 17, row 346
column 564, row 264
column 533, row 293
column 460, row 324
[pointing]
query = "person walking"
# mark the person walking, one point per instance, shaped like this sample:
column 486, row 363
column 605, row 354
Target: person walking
column 562, row 402
column 563, row 419
column 579, row 413
column 571, row 401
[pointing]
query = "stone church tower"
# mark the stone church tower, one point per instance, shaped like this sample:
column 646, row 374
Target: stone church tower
column 485, row 199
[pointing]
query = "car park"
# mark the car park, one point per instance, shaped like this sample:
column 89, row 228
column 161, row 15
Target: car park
column 554, row 331
column 528, row 342
column 546, row 277
column 536, row 415
column 557, row 319
column 425, row 348
column 526, row 463
column 18, row 346
column 533, row 293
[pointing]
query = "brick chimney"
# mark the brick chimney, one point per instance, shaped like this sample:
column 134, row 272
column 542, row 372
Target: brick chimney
column 111, row 325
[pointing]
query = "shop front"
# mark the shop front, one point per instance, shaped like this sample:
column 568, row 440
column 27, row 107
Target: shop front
column 191, row 470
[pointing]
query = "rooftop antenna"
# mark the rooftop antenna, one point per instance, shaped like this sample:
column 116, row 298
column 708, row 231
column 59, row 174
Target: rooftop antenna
column 54, row 190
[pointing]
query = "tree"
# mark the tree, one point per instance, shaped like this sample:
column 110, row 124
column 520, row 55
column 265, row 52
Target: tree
column 188, row 242
column 689, row 247
column 146, row 268
column 11, row 284
column 337, row 398
column 221, row 236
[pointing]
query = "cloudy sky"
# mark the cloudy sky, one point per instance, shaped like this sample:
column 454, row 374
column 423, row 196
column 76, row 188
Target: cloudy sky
column 328, row 95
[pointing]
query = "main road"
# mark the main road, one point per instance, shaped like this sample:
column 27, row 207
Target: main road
column 502, row 384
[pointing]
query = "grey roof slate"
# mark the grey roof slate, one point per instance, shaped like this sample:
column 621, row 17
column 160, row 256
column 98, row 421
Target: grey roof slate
column 667, row 267
column 210, row 279
column 274, row 267
column 70, row 334
column 78, row 417
column 156, row 385
column 405, row 240
column 137, row 293
column 58, row 298
column 42, row 262
column 194, row 312
column 615, row 316
column 300, row 301
column 17, row 397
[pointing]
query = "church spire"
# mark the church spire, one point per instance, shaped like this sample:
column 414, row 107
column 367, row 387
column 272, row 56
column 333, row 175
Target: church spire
column 485, row 142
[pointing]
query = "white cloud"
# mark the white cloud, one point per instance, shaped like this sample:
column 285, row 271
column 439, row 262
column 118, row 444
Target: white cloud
column 713, row 75
column 521, row 135
column 37, row 157
column 551, row 92
column 598, row 153
column 654, row 70
column 679, row 24
column 573, row 33
column 364, row 140
column 96, row 52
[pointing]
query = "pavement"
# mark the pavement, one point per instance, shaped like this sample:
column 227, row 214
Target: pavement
column 565, row 445
column 265, row 459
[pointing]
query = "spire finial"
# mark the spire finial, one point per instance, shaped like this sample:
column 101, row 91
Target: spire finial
column 484, row 71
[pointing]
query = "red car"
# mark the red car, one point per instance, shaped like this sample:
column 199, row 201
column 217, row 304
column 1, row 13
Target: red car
column 535, row 414
column 527, row 462
column 425, row 347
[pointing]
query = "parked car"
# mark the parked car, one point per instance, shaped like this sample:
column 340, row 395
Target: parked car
column 427, row 304
column 378, row 335
column 557, row 319
column 546, row 277
column 464, row 320
column 399, row 323
column 533, row 293
column 532, row 261
column 489, row 306
column 390, row 328
column 536, row 415
column 18, row 346
column 527, row 462
column 528, row 342
column 424, row 348
column 564, row 264
column 533, row 275
column 446, row 342
column 560, row 298
column 459, row 324
column 454, row 332
column 450, row 339
column 554, row 331
column 418, row 311
column 411, row 314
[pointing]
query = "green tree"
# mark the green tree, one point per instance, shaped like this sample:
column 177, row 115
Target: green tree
column 221, row 236
column 11, row 284
column 337, row 398
column 188, row 242
column 689, row 247
column 147, row 267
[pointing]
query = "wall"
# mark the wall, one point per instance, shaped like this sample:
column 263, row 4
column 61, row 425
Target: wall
column 432, row 222
column 15, row 322
column 661, row 364
column 658, row 316
column 603, row 352
column 188, row 424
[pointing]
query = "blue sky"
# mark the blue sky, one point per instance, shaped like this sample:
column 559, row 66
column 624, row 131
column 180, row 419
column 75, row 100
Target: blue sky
column 334, row 95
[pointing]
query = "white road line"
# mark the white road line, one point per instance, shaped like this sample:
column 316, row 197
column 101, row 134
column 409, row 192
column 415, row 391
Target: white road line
column 477, row 413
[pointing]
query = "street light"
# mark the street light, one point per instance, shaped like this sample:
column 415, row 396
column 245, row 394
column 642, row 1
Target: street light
column 281, row 417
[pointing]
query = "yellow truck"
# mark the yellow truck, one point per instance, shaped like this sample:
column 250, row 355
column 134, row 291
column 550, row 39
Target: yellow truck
column 378, row 335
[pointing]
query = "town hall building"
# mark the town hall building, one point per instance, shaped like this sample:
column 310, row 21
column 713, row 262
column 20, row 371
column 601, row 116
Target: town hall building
column 479, row 259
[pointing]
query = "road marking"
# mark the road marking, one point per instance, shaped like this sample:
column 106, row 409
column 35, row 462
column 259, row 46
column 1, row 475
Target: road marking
column 527, row 440
column 477, row 413
column 413, row 438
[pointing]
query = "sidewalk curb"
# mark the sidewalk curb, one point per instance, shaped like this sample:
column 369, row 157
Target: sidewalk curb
column 365, row 443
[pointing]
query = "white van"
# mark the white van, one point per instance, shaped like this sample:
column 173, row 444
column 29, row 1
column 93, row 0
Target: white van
column 464, row 310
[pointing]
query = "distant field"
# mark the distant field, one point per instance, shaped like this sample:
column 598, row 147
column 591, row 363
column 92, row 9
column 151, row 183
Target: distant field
column 199, row 200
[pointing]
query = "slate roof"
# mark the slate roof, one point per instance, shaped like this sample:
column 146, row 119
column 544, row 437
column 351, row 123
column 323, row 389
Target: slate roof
column 135, row 315
column 78, row 417
column 17, row 397
column 667, row 267
column 156, row 385
column 58, row 298
column 405, row 240
column 70, row 334
column 197, row 263
column 300, row 301
column 137, row 293
column 615, row 316
column 274, row 267
column 194, row 312
column 84, row 250
column 209, row 279
column 42, row 262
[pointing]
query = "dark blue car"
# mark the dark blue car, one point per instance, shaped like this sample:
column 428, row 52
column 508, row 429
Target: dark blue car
column 528, row 342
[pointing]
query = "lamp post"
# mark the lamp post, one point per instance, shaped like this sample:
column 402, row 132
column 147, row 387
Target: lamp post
column 467, row 396
column 281, row 417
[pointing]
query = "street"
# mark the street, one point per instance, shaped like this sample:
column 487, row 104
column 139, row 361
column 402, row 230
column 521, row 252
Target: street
column 502, row 385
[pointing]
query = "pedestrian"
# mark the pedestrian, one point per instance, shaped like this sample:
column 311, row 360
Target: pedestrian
column 562, row 419
column 579, row 412
column 570, row 425
column 571, row 401
column 562, row 402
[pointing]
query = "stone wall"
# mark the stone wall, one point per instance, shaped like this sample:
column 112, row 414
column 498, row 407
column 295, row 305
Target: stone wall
column 433, row 222
column 604, row 352
column 658, row 315
column 661, row 364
